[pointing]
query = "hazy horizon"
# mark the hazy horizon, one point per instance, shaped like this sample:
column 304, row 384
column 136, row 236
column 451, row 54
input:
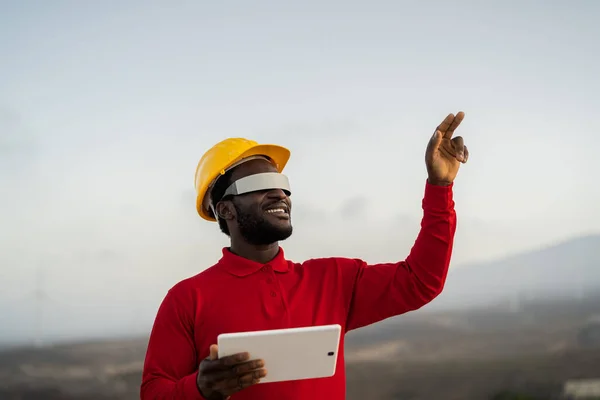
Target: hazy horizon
column 106, row 110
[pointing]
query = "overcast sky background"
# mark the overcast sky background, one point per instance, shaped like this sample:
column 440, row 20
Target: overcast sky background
column 106, row 108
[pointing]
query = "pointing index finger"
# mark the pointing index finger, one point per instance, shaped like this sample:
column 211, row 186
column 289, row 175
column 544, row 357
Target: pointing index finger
column 443, row 127
column 455, row 123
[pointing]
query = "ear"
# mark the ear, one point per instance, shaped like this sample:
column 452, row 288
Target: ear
column 225, row 210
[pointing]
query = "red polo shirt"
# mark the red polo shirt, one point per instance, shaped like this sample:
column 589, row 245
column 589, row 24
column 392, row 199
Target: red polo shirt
column 237, row 295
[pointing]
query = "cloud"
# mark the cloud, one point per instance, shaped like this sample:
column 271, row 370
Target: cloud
column 354, row 207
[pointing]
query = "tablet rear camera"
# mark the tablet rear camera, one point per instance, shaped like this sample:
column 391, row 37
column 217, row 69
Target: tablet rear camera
column 330, row 353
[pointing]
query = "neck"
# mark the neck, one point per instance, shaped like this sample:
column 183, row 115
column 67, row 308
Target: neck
column 260, row 254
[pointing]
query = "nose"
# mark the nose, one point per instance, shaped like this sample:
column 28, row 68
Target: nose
column 277, row 194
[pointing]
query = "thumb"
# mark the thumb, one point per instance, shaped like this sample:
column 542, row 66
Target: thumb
column 433, row 145
column 214, row 352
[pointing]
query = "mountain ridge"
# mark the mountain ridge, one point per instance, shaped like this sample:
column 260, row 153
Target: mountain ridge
column 567, row 268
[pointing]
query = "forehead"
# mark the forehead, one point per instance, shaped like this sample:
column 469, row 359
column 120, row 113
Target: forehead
column 252, row 167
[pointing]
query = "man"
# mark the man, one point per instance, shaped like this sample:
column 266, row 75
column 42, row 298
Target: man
column 253, row 287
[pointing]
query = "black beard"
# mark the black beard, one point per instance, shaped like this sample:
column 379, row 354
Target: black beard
column 256, row 230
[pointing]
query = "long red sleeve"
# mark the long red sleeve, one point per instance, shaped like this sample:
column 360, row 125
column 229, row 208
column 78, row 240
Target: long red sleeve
column 170, row 368
column 384, row 290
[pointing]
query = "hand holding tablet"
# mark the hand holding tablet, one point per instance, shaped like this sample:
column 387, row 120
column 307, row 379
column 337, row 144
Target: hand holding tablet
column 228, row 375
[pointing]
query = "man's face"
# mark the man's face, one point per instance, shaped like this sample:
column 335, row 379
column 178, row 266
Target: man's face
column 263, row 217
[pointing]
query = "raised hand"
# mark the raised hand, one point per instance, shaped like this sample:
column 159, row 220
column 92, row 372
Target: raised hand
column 444, row 154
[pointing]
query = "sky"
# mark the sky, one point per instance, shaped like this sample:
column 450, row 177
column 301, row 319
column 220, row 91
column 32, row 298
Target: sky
column 106, row 108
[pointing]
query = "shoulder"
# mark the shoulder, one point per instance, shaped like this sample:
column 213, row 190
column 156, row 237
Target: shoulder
column 329, row 261
column 331, row 264
column 336, row 274
column 185, row 299
column 193, row 287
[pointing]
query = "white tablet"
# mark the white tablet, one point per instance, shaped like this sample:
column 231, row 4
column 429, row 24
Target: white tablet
column 289, row 354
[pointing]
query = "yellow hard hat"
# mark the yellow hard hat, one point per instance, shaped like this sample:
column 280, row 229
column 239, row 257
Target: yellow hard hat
column 224, row 155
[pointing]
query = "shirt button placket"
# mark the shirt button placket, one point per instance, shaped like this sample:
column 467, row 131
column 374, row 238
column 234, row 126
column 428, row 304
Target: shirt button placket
column 274, row 306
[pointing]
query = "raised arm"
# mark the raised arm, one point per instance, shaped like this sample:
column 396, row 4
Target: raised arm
column 380, row 291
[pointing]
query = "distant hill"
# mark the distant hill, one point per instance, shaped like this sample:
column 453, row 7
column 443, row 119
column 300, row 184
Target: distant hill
column 567, row 269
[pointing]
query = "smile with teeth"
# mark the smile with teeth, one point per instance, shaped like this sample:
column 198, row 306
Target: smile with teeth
column 276, row 211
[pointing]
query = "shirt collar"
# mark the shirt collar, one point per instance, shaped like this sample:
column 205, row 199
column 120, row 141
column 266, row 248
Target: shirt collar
column 240, row 266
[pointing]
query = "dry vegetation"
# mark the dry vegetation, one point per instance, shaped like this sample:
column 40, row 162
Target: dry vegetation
column 474, row 355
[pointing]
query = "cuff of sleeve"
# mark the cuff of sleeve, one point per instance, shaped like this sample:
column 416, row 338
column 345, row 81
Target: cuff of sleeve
column 438, row 197
column 190, row 388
